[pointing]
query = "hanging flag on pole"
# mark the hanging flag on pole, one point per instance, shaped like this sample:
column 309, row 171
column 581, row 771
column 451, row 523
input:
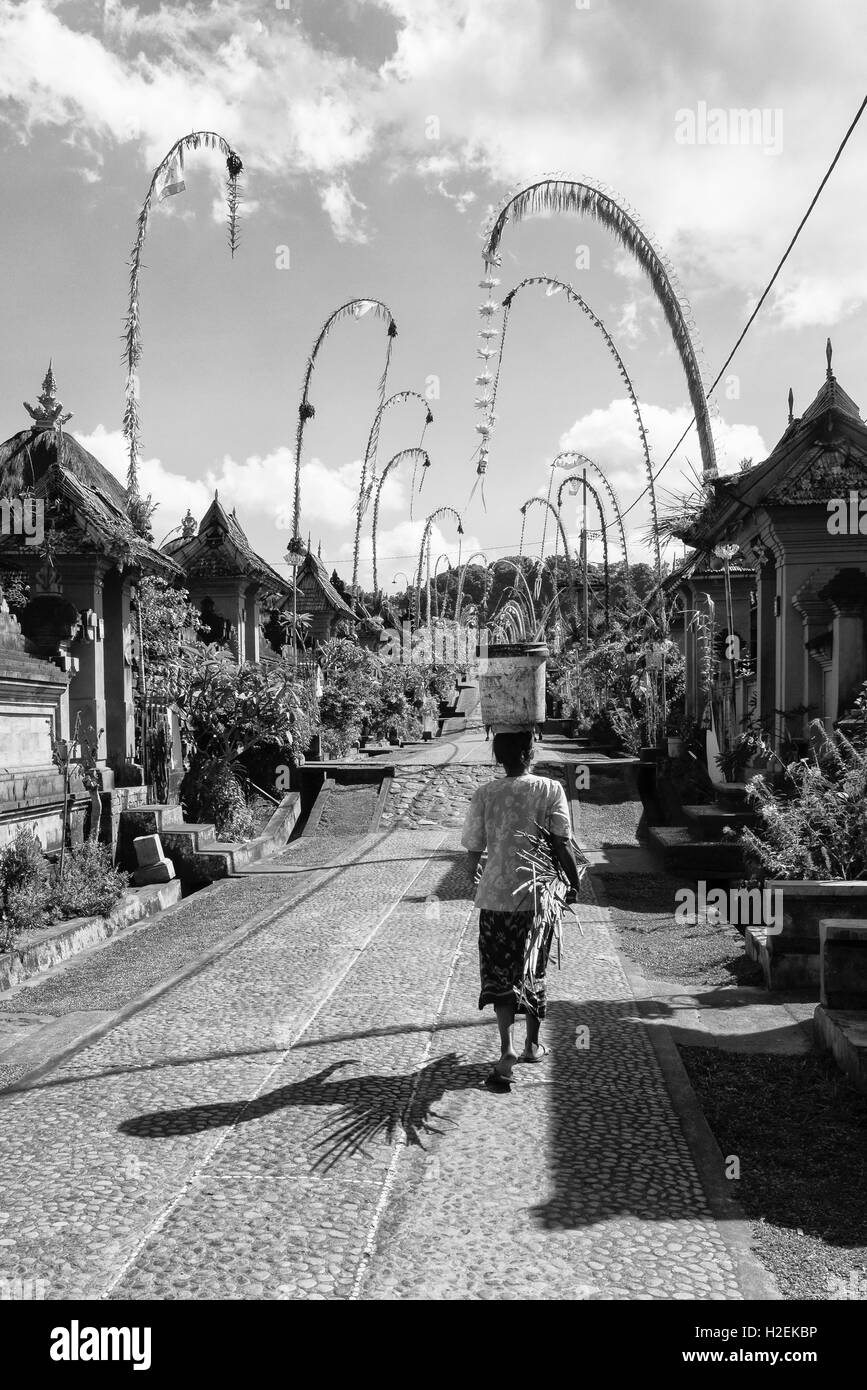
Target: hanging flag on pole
column 173, row 182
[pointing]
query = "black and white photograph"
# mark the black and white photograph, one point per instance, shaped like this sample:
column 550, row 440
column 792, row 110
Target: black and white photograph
column 433, row 669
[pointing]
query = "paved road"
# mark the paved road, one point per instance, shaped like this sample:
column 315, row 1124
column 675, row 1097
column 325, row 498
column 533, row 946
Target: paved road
column 305, row 1117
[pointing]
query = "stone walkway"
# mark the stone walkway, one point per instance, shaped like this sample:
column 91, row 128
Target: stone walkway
column 304, row 1116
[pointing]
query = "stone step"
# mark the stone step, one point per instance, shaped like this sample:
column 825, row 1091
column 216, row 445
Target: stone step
column 711, row 822
column 731, row 796
column 844, row 1032
column 682, row 853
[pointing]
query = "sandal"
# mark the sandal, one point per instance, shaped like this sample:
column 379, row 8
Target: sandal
column 541, row 1053
column 495, row 1081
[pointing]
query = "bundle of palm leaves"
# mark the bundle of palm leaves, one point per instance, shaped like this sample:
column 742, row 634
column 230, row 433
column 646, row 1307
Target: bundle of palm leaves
column 545, row 880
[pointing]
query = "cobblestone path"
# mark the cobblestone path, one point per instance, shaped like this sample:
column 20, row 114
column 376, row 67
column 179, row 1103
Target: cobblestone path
column 304, row 1118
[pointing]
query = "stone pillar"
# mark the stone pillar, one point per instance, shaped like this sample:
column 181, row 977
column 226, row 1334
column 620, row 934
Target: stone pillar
column 817, row 618
column 766, row 655
column 251, row 624
column 120, row 709
column 847, row 596
column 87, row 689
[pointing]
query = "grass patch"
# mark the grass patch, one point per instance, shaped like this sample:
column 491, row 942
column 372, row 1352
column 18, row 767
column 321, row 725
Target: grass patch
column 799, row 1129
column 642, row 914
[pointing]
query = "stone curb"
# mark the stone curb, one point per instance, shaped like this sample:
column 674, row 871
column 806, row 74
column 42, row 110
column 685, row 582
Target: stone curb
column 66, row 939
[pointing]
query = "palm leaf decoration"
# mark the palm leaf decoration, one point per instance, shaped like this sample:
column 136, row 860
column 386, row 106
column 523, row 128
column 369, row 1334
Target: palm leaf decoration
column 174, row 160
column 415, row 453
column 583, row 199
column 517, row 605
column 424, row 549
column 545, row 885
column 353, row 308
column 368, row 470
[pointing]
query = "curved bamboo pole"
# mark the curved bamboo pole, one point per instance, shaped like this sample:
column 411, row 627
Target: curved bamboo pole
column 477, row 554
column 368, row 464
column 554, row 195
column 357, row 308
column 436, row 599
column 392, row 463
column 550, row 508
column 574, row 297
column 132, row 328
column 573, row 454
column 591, row 489
column 425, row 540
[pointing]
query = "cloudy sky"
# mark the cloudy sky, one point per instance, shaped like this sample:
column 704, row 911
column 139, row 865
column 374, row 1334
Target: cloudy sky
column 377, row 135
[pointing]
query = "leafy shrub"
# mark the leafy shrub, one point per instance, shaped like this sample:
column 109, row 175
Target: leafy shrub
column 24, row 887
column 816, row 827
column 32, row 895
column 219, row 798
column 226, row 711
column 628, row 730
column 90, row 886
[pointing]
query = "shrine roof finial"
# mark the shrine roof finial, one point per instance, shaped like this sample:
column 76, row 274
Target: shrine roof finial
column 828, row 355
column 791, row 405
column 48, row 413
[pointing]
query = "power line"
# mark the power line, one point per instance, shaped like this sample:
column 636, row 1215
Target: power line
column 782, row 261
column 814, row 200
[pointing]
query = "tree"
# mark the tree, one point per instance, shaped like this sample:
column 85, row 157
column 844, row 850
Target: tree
column 226, row 711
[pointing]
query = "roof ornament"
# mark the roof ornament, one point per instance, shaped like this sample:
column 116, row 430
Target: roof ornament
column 48, row 412
column 828, row 354
column 791, row 406
column 189, row 526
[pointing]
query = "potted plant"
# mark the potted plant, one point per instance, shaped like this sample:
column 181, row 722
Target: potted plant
column 810, row 847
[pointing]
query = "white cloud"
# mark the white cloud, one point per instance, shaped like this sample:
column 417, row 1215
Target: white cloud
column 488, row 72
column 610, row 438
column 461, row 200
column 819, row 300
column 261, row 487
column 342, row 208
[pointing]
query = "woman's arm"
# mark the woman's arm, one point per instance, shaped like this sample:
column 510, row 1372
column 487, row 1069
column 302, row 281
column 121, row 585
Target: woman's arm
column 564, row 852
column 474, row 859
column 474, row 838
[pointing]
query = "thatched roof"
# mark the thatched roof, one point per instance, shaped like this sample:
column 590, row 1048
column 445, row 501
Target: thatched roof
column 821, row 455
column 221, row 548
column 82, row 498
column 28, row 455
column 319, row 594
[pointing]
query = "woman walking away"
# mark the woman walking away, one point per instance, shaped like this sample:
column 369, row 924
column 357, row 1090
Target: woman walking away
column 500, row 811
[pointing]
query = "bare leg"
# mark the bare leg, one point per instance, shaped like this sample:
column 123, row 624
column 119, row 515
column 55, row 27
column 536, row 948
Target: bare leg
column 506, row 1024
